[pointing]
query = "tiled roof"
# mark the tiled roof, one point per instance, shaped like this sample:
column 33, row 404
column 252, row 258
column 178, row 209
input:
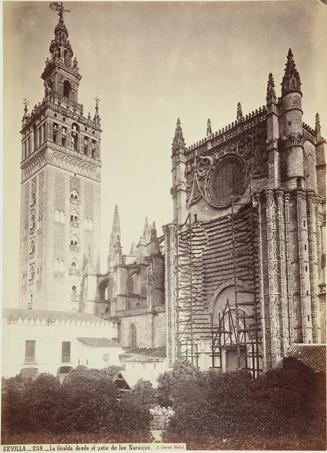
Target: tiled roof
column 149, row 352
column 312, row 355
column 99, row 342
column 145, row 354
column 14, row 314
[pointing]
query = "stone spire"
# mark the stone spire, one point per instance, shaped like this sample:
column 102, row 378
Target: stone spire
column 209, row 130
column 97, row 118
column 154, row 243
column 291, row 80
column 178, row 142
column 25, row 115
column 239, row 114
column 133, row 250
column 146, row 231
column 318, row 127
column 271, row 95
column 115, row 250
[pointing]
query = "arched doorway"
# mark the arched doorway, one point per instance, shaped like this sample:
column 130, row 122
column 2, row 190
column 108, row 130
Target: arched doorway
column 234, row 330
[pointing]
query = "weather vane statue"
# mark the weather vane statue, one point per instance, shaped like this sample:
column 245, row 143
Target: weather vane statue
column 58, row 6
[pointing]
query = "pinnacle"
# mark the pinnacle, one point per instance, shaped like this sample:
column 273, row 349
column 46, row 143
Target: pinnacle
column 209, row 129
column 291, row 80
column 178, row 141
column 239, row 114
column 317, row 126
column 271, row 94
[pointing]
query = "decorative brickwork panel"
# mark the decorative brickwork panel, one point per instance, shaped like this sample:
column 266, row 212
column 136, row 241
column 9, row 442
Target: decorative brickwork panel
column 60, row 191
column 89, row 200
column 26, row 208
column 74, row 183
column 59, row 239
column 41, row 196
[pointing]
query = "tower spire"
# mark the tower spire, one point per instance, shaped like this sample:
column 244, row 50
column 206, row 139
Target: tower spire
column 115, row 250
column 178, row 141
column 96, row 115
column 209, row 129
column 291, row 80
column 271, row 95
column 61, row 61
column 239, row 114
column 318, row 127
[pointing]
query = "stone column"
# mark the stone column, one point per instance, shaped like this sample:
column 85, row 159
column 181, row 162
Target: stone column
column 170, row 291
column 273, row 284
column 263, row 307
column 288, row 274
column 304, row 273
column 284, row 311
column 314, row 269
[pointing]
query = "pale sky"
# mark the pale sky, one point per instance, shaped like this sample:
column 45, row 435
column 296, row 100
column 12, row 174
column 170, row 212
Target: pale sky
column 150, row 63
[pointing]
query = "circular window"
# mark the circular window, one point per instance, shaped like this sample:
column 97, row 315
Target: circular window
column 227, row 180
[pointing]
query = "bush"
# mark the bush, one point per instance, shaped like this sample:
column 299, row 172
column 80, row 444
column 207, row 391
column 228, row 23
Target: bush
column 235, row 411
column 182, row 371
column 86, row 407
column 143, row 394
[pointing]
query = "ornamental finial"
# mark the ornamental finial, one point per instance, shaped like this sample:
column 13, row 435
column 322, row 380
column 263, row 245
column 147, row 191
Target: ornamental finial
column 26, row 104
column 271, row 95
column 239, row 114
column 291, row 80
column 209, row 129
column 318, row 127
column 58, row 6
column 178, row 141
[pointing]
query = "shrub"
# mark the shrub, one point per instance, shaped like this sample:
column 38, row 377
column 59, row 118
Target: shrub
column 86, row 407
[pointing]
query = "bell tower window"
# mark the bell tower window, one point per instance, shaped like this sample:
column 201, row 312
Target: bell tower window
column 67, row 89
column 75, row 132
column 63, row 136
column 55, row 133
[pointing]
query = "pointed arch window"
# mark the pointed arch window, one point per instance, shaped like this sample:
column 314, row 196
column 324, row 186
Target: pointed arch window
column 74, row 197
column 74, row 243
column 74, row 219
column 67, row 89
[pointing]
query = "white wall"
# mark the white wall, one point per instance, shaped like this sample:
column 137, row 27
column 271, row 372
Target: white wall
column 148, row 371
column 49, row 340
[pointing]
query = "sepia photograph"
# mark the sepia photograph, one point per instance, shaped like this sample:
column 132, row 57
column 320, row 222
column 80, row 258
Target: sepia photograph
column 164, row 225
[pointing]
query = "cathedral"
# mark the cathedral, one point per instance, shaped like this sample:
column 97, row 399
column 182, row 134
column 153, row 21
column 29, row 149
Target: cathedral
column 235, row 280
column 131, row 292
column 245, row 254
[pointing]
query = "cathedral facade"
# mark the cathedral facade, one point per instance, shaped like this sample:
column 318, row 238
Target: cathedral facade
column 245, row 254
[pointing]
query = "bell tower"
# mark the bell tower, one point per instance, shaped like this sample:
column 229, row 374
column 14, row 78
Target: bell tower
column 60, row 185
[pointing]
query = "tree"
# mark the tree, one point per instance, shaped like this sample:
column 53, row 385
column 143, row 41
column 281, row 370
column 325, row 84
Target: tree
column 143, row 394
column 182, row 371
